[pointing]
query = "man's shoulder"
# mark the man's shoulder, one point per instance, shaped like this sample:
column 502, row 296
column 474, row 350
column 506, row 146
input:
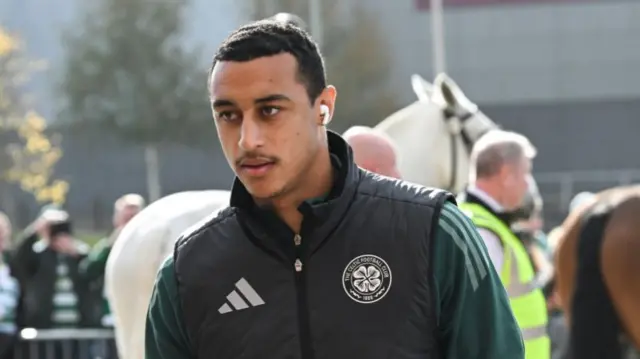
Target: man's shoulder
column 200, row 229
column 452, row 209
column 167, row 267
column 451, row 216
column 401, row 191
column 166, row 284
column 454, row 223
column 458, row 240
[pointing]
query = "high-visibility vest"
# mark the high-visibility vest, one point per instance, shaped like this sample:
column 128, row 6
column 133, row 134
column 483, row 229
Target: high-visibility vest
column 518, row 277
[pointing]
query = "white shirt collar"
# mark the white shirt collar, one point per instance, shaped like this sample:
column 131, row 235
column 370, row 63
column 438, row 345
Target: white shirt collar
column 486, row 198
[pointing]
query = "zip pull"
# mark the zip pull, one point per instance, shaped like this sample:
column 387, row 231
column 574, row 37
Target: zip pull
column 298, row 265
column 297, row 240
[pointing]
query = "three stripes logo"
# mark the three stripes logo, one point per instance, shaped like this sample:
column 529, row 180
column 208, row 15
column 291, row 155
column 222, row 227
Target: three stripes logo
column 246, row 297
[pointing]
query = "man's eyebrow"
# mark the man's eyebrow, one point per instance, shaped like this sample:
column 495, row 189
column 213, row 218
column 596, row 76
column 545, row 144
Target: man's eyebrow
column 270, row 98
column 220, row 103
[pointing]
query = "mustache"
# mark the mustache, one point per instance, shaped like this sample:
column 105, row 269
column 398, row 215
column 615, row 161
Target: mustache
column 255, row 156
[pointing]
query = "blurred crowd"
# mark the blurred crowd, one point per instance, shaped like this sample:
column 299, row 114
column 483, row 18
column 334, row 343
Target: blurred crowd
column 50, row 279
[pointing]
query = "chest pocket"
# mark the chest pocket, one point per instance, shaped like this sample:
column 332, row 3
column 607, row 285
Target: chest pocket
column 373, row 299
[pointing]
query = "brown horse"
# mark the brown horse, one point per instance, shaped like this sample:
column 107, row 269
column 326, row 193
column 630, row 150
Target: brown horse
column 597, row 265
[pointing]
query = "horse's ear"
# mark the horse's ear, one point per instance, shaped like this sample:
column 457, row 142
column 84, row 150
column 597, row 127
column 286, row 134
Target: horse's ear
column 421, row 87
column 447, row 86
column 451, row 93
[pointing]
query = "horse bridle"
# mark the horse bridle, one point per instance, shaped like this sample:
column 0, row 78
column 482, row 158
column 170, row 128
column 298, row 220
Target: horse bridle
column 466, row 140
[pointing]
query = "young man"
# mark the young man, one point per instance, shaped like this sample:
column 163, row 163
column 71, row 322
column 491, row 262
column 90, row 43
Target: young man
column 316, row 258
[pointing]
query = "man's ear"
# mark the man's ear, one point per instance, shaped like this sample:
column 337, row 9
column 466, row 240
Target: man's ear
column 326, row 104
column 325, row 113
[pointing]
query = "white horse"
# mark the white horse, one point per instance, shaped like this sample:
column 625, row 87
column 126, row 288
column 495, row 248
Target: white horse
column 138, row 253
column 433, row 135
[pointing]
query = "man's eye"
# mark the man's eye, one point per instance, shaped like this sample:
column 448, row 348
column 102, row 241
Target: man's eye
column 270, row 110
column 226, row 116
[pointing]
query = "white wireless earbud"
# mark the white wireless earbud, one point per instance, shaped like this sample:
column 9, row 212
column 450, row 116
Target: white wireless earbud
column 326, row 117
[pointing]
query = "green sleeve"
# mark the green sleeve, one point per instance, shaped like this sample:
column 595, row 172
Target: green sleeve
column 166, row 335
column 92, row 267
column 474, row 316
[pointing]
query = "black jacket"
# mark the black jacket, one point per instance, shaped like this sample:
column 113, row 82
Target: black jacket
column 358, row 285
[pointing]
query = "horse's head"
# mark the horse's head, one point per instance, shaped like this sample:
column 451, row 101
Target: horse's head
column 434, row 135
column 460, row 114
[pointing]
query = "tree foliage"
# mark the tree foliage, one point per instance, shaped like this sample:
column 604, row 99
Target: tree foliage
column 356, row 57
column 29, row 154
column 128, row 71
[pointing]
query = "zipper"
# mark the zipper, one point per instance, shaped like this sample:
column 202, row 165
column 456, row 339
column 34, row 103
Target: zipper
column 301, row 296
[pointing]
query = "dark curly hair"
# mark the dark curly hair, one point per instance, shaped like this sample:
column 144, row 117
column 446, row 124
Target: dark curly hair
column 271, row 37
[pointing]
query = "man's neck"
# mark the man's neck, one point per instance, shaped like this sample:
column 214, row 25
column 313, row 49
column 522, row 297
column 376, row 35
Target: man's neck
column 316, row 183
column 487, row 193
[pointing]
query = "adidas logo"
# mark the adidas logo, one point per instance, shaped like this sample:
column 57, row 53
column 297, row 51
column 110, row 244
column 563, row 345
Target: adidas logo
column 236, row 300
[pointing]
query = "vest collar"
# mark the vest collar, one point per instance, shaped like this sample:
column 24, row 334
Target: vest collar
column 320, row 215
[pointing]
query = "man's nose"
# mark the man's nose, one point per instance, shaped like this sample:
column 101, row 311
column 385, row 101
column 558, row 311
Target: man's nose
column 251, row 135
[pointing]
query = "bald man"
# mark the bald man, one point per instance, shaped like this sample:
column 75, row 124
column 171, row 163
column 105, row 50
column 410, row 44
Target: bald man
column 373, row 151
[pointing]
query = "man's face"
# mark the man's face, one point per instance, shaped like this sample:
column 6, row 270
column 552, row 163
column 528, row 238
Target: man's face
column 62, row 242
column 515, row 184
column 125, row 214
column 269, row 131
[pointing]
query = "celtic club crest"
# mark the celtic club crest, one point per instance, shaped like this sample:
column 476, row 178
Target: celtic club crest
column 366, row 279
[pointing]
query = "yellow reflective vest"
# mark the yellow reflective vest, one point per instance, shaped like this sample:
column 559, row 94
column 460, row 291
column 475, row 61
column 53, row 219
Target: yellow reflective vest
column 518, row 277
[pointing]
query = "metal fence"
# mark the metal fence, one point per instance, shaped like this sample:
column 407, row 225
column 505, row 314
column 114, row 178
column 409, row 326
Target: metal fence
column 66, row 344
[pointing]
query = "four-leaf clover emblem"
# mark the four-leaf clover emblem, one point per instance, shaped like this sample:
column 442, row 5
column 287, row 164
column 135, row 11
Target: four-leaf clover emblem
column 367, row 278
